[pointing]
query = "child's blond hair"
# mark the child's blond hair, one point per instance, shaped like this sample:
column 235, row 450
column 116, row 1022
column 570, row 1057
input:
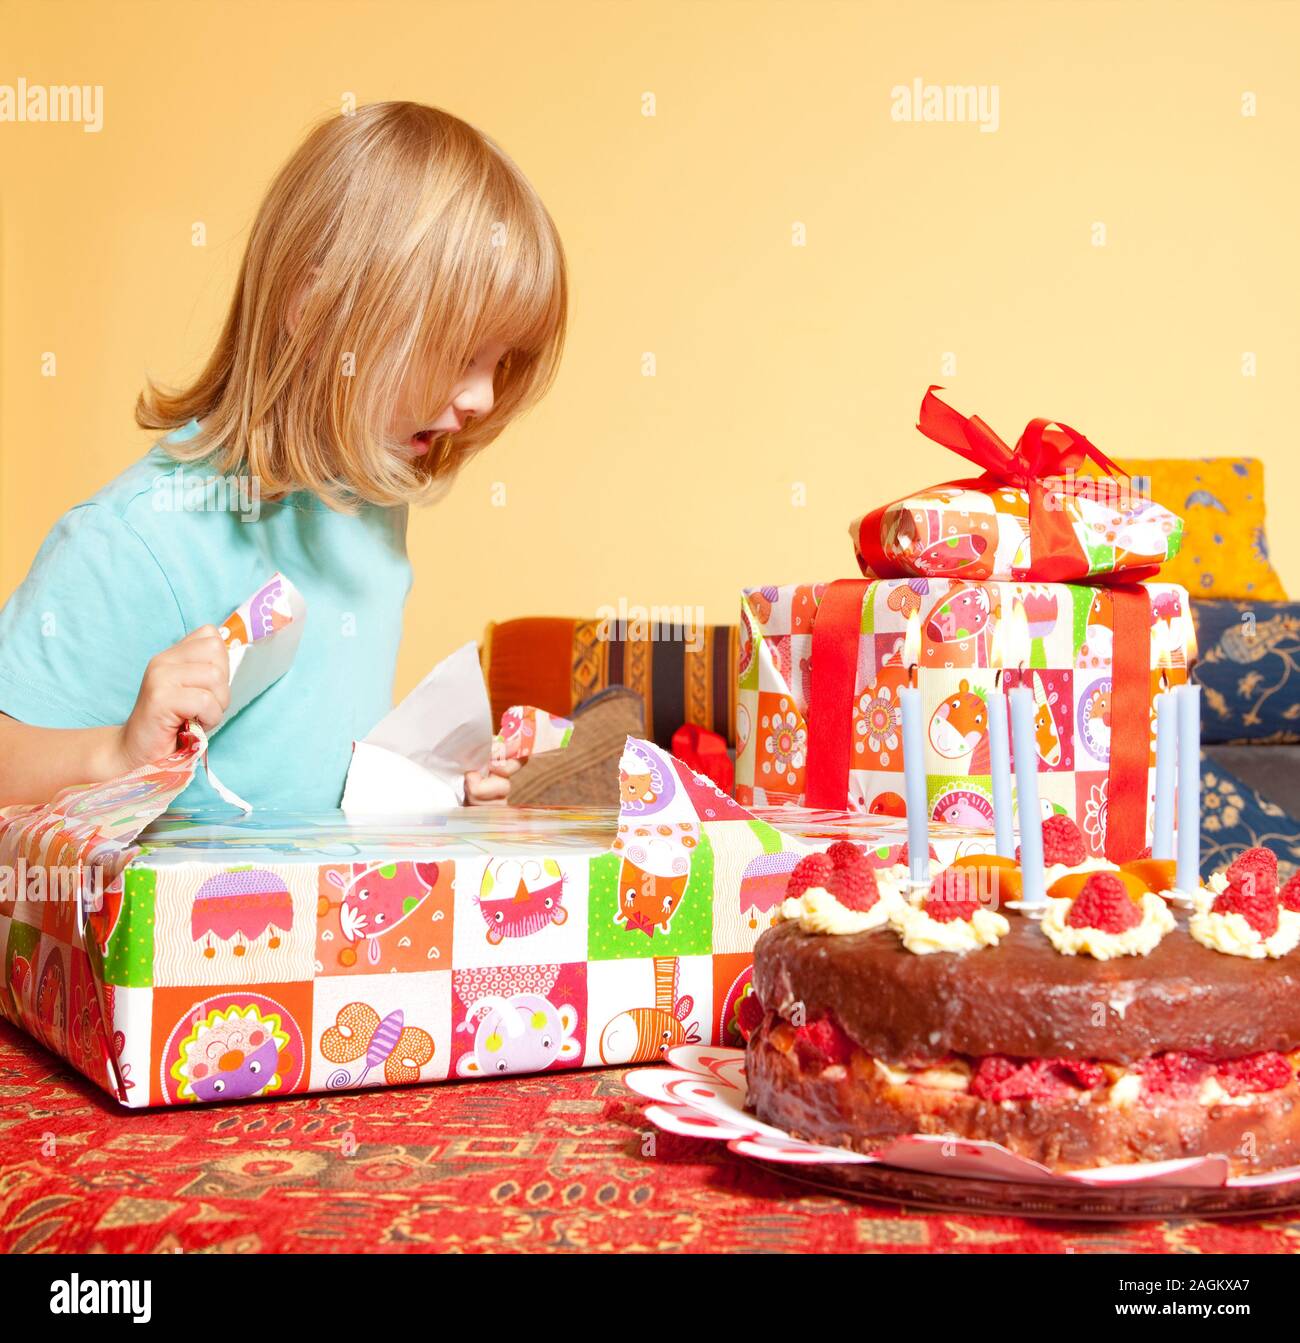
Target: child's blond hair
column 405, row 238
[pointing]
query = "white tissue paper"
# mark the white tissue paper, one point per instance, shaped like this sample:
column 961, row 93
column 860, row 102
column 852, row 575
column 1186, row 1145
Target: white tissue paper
column 416, row 759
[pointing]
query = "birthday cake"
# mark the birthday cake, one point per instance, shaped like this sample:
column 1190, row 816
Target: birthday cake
column 1119, row 1022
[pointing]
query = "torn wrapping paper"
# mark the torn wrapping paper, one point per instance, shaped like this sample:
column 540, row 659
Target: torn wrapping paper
column 526, row 731
column 1031, row 514
column 261, row 639
column 273, row 955
column 92, row 825
column 416, row 759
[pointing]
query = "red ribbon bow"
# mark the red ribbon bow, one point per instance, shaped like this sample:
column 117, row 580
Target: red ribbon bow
column 1045, row 452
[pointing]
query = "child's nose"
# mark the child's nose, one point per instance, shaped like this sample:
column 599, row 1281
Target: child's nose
column 477, row 398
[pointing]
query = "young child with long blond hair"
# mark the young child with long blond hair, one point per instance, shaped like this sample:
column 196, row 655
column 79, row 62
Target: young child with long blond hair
column 402, row 298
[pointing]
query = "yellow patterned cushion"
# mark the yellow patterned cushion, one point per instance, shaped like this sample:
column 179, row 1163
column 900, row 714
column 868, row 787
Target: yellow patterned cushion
column 1221, row 501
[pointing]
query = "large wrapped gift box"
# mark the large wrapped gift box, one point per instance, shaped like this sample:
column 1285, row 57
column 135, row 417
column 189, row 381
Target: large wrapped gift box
column 274, row 955
column 1096, row 659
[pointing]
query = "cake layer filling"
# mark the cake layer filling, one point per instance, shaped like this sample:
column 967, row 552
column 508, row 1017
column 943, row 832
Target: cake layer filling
column 821, row 1049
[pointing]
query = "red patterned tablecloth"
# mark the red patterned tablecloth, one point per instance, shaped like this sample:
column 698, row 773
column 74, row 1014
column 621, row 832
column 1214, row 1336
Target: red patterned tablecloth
column 555, row 1162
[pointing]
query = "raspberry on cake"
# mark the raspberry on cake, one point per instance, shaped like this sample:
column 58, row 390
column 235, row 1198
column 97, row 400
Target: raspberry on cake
column 1255, row 870
column 839, row 891
column 1063, row 843
column 845, row 853
column 813, row 869
column 1174, row 1074
column 1290, row 894
column 953, row 894
column 905, row 854
column 823, row 1043
column 1105, row 917
column 999, row 1078
column 749, row 1014
column 1262, row 912
column 952, row 916
column 1241, row 913
column 1254, row 1074
column 1103, row 904
column 1066, row 859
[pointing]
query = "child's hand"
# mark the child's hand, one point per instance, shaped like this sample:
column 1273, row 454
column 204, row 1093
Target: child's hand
column 492, row 785
column 190, row 681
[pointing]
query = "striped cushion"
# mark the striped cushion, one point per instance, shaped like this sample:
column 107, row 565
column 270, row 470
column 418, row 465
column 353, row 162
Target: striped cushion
column 557, row 663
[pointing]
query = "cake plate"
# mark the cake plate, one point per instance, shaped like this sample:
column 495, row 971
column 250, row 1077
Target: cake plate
column 701, row 1094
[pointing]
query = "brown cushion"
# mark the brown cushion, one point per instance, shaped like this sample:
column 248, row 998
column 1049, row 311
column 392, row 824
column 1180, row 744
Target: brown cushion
column 585, row 773
column 556, row 663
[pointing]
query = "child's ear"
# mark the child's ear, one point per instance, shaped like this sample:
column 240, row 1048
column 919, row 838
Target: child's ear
column 293, row 318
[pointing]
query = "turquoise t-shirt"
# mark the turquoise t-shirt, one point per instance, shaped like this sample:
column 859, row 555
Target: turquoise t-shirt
column 153, row 556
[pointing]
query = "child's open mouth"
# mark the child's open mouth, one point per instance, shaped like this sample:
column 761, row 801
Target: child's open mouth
column 422, row 441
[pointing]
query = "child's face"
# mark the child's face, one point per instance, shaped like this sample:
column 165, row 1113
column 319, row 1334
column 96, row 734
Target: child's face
column 473, row 396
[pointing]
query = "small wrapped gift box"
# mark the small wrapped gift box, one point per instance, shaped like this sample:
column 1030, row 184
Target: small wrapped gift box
column 821, row 667
column 1053, row 508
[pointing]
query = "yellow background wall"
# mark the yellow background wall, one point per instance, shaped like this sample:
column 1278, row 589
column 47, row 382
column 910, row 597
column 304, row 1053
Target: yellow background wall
column 776, row 364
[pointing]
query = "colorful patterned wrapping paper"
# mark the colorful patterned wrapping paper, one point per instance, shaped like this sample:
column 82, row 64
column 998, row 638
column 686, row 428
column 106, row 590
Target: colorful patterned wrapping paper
column 272, row 955
column 959, row 530
column 1069, row 669
column 526, row 731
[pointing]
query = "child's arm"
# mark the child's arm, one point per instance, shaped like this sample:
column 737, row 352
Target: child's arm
column 189, row 681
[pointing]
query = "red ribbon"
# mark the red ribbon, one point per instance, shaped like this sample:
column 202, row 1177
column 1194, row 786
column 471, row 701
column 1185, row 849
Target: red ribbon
column 833, row 679
column 1047, row 449
column 706, row 753
column 1130, row 717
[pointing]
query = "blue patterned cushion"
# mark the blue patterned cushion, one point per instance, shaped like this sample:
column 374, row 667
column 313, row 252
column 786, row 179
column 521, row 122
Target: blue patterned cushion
column 1235, row 817
column 1249, row 670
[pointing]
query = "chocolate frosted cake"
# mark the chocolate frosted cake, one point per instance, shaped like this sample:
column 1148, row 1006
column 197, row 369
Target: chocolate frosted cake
column 1107, row 1029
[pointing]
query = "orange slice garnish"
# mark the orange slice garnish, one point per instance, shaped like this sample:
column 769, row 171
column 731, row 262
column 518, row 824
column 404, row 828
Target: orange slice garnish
column 1001, row 874
column 1156, row 874
column 1068, row 886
